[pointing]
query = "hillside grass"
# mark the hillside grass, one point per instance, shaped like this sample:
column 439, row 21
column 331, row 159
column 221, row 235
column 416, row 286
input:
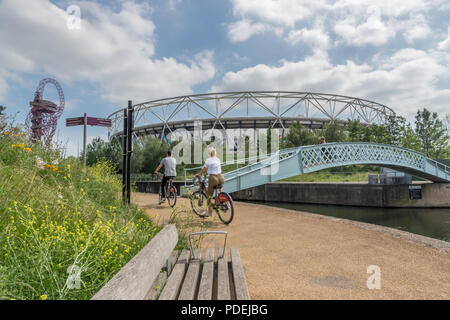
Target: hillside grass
column 327, row 176
column 64, row 231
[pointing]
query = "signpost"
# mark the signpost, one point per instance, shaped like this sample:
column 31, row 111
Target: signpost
column 128, row 125
column 85, row 121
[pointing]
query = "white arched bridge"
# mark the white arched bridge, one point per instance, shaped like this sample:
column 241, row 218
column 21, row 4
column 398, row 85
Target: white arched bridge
column 295, row 161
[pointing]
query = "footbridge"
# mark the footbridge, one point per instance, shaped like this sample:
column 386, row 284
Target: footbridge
column 291, row 162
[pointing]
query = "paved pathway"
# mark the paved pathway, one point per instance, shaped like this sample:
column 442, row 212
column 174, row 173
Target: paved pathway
column 292, row 255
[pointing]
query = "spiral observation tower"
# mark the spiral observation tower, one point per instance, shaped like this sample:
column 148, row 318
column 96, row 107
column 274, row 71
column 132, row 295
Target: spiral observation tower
column 44, row 114
column 248, row 109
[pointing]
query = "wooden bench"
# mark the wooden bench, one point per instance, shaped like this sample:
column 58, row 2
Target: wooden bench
column 185, row 276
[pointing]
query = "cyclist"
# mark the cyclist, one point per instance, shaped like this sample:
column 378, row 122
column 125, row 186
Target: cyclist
column 213, row 168
column 170, row 172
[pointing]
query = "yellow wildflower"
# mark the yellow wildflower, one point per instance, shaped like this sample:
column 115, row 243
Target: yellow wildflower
column 44, row 297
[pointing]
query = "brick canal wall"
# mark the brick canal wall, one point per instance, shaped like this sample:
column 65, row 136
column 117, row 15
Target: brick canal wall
column 427, row 195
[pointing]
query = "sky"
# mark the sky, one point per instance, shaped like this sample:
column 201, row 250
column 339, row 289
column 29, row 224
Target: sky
column 394, row 52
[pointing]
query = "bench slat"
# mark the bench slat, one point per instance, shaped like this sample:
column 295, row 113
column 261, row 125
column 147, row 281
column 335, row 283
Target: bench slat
column 240, row 284
column 158, row 285
column 206, row 281
column 170, row 291
column 223, row 281
column 192, row 275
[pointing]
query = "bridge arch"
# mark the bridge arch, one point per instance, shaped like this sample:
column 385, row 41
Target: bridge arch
column 291, row 162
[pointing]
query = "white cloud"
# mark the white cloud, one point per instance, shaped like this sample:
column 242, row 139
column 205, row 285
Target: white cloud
column 242, row 30
column 416, row 28
column 373, row 30
column 404, row 81
column 445, row 44
column 316, row 38
column 113, row 50
column 281, row 12
column 354, row 22
column 3, row 87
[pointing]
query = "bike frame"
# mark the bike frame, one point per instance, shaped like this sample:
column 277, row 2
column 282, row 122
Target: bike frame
column 167, row 186
column 215, row 194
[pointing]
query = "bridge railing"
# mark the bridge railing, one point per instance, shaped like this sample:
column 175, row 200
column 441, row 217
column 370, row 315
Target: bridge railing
column 252, row 161
column 334, row 154
column 227, row 163
column 317, row 157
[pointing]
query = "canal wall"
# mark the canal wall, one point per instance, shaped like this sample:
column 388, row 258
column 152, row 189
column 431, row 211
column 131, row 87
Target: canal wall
column 426, row 195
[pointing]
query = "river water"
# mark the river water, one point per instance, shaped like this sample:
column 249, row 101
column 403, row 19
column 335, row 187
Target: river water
column 433, row 223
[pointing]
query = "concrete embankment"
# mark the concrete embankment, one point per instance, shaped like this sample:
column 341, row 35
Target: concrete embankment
column 426, row 195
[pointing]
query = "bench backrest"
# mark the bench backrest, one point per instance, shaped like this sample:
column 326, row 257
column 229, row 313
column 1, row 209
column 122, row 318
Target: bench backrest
column 134, row 280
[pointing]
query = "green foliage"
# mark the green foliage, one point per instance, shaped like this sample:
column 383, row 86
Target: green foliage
column 333, row 132
column 409, row 139
column 2, row 109
column 431, row 133
column 99, row 150
column 299, row 135
column 355, row 131
column 146, row 155
column 147, row 158
column 395, row 128
column 54, row 215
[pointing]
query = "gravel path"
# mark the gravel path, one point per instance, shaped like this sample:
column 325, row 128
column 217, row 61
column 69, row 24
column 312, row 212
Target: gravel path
column 294, row 255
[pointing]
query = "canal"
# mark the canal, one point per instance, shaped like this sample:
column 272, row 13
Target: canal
column 433, row 223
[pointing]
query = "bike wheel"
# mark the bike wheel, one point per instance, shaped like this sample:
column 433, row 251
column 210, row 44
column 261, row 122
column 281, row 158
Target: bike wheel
column 224, row 207
column 172, row 197
column 199, row 203
column 160, row 198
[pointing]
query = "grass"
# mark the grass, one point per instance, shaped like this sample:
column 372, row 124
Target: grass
column 325, row 176
column 64, row 231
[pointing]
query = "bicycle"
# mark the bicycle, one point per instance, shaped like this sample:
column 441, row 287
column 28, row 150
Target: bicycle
column 170, row 192
column 222, row 202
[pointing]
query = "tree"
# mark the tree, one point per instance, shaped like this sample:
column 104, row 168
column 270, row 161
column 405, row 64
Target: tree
column 2, row 108
column 100, row 150
column 299, row 136
column 333, row 132
column 395, row 127
column 409, row 139
column 431, row 133
column 355, row 131
column 147, row 158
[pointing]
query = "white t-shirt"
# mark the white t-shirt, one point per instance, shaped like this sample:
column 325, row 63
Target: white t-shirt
column 213, row 165
column 170, row 166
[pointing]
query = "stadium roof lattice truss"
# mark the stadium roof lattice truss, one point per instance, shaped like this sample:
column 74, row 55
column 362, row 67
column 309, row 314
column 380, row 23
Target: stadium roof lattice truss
column 248, row 109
